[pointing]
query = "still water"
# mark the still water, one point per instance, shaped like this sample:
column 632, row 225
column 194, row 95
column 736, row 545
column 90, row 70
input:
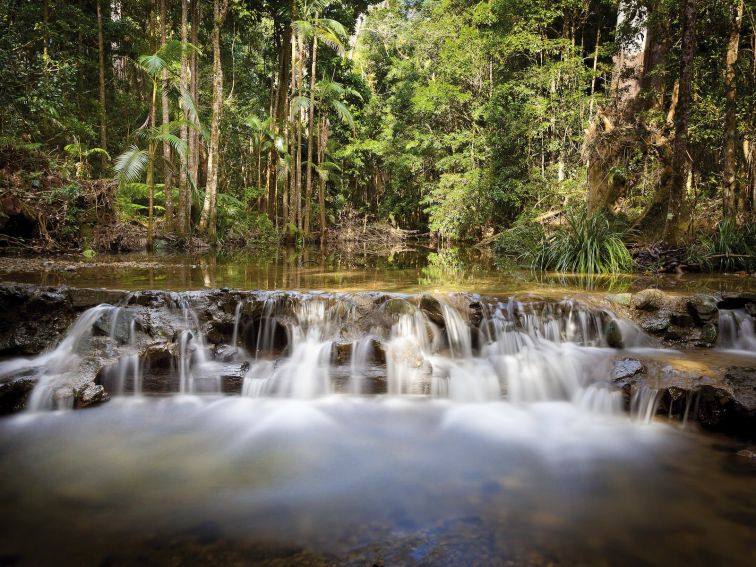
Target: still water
column 407, row 271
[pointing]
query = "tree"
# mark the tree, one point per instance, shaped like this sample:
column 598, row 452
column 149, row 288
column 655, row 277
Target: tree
column 101, row 77
column 130, row 165
column 165, row 106
column 209, row 210
column 678, row 208
column 332, row 33
column 730, row 193
column 185, row 201
column 326, row 98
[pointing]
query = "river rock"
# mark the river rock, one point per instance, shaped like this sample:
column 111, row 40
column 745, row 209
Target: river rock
column 625, row 368
column 397, row 307
column 614, row 334
column 89, row 297
column 648, row 300
column 656, row 325
column 623, row 299
column 432, row 309
column 703, row 308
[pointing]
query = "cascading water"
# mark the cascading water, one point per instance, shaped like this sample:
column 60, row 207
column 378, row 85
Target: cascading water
column 521, row 352
column 305, row 373
column 365, row 422
column 736, row 330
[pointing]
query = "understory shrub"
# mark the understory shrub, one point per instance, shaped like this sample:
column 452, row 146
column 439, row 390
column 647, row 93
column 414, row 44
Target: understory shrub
column 729, row 248
column 587, row 244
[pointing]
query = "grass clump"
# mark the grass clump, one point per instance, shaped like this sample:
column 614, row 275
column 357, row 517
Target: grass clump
column 519, row 245
column 587, row 244
column 730, row 248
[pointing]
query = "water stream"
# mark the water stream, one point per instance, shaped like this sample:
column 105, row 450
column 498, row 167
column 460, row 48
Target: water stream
column 361, row 428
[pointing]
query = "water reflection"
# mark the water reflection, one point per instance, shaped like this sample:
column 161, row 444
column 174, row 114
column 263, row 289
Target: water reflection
column 311, row 268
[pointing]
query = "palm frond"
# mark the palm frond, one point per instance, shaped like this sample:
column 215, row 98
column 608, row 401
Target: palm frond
column 343, row 112
column 299, row 103
column 129, row 166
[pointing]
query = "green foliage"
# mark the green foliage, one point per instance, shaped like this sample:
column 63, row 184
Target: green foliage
column 238, row 225
column 521, row 244
column 730, row 248
column 587, row 244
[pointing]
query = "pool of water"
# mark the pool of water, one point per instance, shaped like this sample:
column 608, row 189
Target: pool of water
column 414, row 270
column 341, row 480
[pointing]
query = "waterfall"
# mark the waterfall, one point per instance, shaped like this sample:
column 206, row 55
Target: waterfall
column 305, row 373
column 53, row 367
column 315, row 345
column 736, row 330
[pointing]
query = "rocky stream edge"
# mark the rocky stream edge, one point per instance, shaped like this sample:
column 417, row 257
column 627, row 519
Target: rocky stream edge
column 35, row 318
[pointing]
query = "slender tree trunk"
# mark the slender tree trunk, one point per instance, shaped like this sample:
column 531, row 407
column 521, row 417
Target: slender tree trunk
column 194, row 135
column 185, row 202
column 151, row 170
column 168, row 173
column 290, row 187
column 730, row 194
column 279, row 115
column 322, row 144
column 101, row 58
column 677, row 214
column 299, row 119
column 593, row 76
column 209, row 215
column 46, row 31
column 310, row 133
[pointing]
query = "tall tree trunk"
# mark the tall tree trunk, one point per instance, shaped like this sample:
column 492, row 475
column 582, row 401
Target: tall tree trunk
column 101, row 58
column 195, row 144
column 151, row 169
column 290, row 189
column 322, row 144
column 185, row 203
column 310, row 133
column 730, row 194
column 168, row 173
column 677, row 212
column 299, row 119
column 209, row 215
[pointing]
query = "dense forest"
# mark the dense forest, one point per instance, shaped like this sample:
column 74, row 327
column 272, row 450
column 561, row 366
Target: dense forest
column 577, row 135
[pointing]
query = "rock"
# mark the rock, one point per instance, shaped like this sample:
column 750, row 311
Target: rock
column 432, row 309
column 159, row 355
column 92, row 394
column 86, row 297
column 396, row 307
column 656, row 325
column 341, row 353
column 626, row 368
column 703, row 308
column 648, row 300
column 614, row 334
column 226, row 353
column 709, row 333
column 620, row 299
column 14, row 393
column 747, row 454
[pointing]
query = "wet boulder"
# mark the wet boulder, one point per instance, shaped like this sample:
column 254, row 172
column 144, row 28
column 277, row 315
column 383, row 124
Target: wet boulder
column 432, row 309
column 614, row 334
column 33, row 318
column 626, row 368
column 84, row 298
column 648, row 300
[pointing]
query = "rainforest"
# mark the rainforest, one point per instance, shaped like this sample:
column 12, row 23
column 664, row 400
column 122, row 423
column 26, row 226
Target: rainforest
column 378, row 282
